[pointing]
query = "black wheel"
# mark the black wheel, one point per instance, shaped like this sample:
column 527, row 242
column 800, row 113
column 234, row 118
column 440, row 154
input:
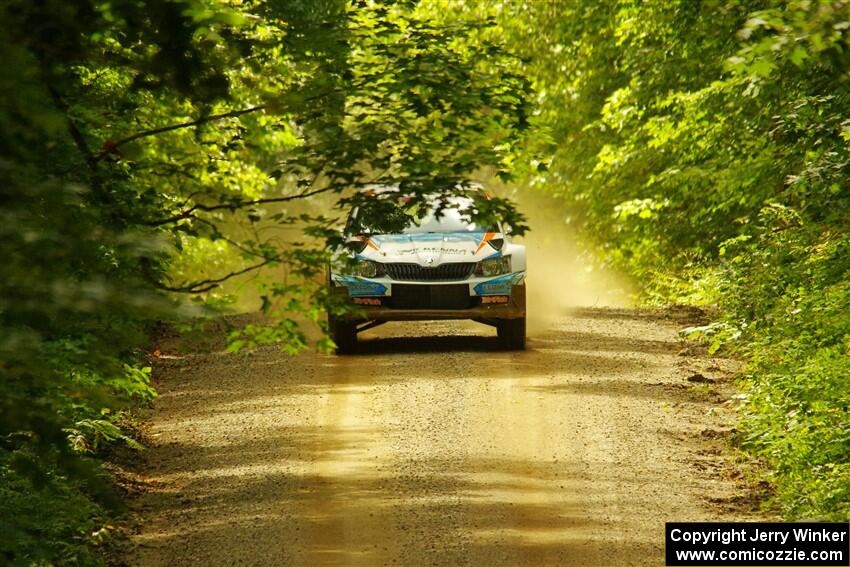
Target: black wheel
column 512, row 333
column 344, row 334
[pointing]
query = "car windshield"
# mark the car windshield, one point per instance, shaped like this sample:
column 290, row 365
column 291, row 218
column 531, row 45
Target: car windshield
column 391, row 218
column 450, row 220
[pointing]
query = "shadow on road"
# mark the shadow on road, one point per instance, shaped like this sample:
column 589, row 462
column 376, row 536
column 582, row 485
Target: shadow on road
column 373, row 459
column 420, row 513
column 428, row 343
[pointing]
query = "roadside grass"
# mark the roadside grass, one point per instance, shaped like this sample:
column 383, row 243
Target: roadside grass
column 795, row 403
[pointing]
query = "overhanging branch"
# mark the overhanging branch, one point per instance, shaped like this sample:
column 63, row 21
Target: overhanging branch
column 230, row 241
column 190, row 212
column 110, row 147
column 76, row 135
column 206, row 285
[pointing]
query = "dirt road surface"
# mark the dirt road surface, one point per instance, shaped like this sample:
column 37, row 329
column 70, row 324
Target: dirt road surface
column 432, row 447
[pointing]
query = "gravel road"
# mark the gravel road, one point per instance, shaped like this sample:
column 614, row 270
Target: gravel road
column 432, row 447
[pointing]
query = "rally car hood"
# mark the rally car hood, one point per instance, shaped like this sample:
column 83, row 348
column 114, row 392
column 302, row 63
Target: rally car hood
column 430, row 249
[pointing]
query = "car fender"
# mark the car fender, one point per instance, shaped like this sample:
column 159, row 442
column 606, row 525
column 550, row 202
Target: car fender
column 517, row 253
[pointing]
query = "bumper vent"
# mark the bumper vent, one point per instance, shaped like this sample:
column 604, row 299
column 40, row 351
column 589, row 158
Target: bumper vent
column 450, row 296
column 442, row 273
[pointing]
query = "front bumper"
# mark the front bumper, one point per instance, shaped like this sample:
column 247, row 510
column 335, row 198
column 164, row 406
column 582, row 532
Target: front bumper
column 387, row 300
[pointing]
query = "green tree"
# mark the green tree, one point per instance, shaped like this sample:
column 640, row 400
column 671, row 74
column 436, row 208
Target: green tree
column 703, row 146
column 148, row 149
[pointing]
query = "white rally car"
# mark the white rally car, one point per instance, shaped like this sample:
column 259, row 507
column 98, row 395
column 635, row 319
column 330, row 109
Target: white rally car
column 442, row 267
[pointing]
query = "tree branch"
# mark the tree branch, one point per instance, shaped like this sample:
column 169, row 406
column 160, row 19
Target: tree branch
column 110, row 147
column 206, row 285
column 76, row 135
column 189, row 213
column 230, row 241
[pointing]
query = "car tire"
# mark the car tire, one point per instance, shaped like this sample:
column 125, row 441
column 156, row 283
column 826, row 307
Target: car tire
column 344, row 335
column 512, row 333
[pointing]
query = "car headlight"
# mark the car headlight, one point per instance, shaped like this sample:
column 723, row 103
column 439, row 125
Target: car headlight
column 368, row 269
column 493, row 267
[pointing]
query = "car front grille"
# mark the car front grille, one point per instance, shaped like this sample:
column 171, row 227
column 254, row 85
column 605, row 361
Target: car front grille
column 448, row 296
column 444, row 272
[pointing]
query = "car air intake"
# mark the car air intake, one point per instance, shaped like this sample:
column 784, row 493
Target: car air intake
column 442, row 273
column 447, row 296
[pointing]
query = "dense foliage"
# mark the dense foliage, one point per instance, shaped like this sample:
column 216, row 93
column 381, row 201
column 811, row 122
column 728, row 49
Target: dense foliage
column 151, row 150
column 705, row 146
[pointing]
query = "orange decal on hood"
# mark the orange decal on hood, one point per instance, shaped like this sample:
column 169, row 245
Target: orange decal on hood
column 487, row 238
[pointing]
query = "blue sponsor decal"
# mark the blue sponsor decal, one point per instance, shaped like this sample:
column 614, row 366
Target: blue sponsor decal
column 470, row 236
column 499, row 286
column 358, row 287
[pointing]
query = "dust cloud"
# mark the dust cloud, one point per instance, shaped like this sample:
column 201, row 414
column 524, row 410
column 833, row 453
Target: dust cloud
column 561, row 275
